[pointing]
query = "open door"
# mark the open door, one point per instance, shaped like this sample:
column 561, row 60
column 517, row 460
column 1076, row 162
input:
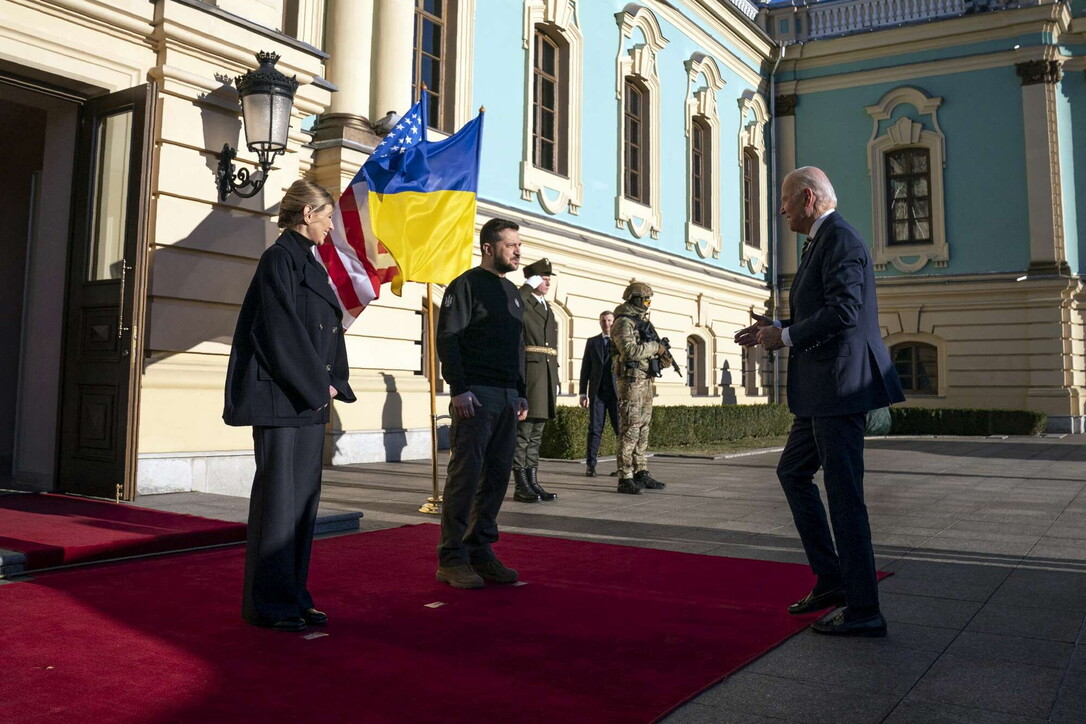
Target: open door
column 106, row 295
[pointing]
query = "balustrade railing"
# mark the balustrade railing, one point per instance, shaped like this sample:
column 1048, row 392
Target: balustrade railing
column 827, row 19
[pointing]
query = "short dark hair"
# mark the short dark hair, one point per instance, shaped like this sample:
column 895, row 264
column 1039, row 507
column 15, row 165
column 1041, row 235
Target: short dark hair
column 605, row 312
column 492, row 230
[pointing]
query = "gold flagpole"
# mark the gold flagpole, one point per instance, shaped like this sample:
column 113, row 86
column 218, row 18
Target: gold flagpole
column 433, row 503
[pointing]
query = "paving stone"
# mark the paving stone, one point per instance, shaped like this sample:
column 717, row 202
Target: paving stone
column 944, row 580
column 697, row 713
column 1071, row 701
column 1037, row 652
column 1027, row 622
column 1044, row 589
column 927, row 610
column 910, row 711
column 1012, row 688
column 885, row 665
column 791, row 700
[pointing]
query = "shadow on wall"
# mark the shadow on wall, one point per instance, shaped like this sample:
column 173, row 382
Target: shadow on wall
column 727, row 392
column 392, row 420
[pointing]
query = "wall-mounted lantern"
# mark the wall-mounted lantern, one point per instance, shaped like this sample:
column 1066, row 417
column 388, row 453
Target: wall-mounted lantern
column 266, row 100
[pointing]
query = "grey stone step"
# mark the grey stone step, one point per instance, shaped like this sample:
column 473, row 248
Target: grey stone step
column 337, row 522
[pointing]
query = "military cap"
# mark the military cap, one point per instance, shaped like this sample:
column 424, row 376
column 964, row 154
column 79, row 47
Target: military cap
column 541, row 268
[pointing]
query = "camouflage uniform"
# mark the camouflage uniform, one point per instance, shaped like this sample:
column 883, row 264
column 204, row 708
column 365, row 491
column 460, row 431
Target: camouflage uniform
column 635, row 389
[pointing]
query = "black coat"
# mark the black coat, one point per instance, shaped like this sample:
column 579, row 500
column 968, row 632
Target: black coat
column 288, row 344
column 838, row 364
column 594, row 365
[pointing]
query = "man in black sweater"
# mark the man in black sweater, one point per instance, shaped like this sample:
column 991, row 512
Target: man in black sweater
column 481, row 347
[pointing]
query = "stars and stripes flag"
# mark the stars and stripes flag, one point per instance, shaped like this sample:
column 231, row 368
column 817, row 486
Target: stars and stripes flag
column 356, row 260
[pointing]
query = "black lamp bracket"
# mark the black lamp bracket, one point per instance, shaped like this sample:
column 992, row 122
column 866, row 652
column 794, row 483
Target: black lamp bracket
column 231, row 179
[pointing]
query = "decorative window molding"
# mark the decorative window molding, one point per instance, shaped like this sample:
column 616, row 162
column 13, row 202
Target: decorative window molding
column 908, row 131
column 921, row 363
column 637, row 60
column 703, row 82
column 556, row 192
column 753, row 117
column 454, row 99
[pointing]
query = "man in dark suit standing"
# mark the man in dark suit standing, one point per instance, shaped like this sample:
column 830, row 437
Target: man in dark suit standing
column 838, row 370
column 598, row 389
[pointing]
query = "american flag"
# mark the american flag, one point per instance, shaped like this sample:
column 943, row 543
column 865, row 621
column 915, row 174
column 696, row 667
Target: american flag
column 356, row 260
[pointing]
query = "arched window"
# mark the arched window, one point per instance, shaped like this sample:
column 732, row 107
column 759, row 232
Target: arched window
column 549, row 105
column 433, row 56
column 701, row 173
column 917, row 365
column 751, row 233
column 637, row 152
column 695, row 365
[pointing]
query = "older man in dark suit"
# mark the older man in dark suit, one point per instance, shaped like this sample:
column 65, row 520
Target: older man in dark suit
column 838, row 370
column 597, row 388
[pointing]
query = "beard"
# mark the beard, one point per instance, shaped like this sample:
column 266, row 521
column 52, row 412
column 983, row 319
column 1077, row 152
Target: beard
column 506, row 266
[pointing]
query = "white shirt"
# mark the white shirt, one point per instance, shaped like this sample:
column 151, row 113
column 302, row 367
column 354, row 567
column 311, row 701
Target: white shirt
column 785, row 337
column 541, row 300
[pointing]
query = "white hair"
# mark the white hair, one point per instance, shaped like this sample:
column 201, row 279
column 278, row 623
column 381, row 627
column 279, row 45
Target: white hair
column 815, row 179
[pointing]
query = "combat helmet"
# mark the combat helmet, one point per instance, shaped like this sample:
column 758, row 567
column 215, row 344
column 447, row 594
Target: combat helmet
column 637, row 289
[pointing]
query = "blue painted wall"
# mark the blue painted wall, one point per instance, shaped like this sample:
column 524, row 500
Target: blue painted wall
column 500, row 69
column 987, row 223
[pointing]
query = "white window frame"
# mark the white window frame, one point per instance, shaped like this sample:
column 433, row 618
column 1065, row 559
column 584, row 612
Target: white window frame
column 463, row 68
column 906, row 132
column 753, row 117
column 639, row 61
column 941, row 369
column 701, row 101
column 556, row 193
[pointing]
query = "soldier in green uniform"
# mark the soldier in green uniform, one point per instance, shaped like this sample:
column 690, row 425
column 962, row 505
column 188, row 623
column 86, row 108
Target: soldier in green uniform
column 637, row 362
column 541, row 380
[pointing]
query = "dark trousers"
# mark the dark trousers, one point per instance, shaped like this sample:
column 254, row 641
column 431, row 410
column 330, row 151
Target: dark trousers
column 599, row 408
column 836, row 444
column 282, row 514
column 480, row 459
column 529, row 437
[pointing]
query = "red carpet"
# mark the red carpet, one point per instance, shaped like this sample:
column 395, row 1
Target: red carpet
column 54, row 530
column 599, row 633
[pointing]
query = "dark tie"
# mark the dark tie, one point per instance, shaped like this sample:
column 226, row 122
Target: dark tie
column 807, row 242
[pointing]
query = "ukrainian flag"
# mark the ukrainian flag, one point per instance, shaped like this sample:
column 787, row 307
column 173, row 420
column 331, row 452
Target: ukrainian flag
column 422, row 198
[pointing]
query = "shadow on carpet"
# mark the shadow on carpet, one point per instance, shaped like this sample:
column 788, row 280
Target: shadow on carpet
column 596, row 633
column 56, row 530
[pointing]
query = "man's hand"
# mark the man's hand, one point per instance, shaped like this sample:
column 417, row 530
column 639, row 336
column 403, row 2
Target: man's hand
column 748, row 336
column 584, row 400
column 521, row 406
column 464, row 404
column 770, row 337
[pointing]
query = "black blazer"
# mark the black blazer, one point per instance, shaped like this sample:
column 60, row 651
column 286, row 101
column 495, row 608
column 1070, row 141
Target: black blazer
column 838, row 363
column 595, row 363
column 288, row 345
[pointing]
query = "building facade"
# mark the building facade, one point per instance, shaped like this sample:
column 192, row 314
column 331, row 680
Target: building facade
column 953, row 131
column 639, row 140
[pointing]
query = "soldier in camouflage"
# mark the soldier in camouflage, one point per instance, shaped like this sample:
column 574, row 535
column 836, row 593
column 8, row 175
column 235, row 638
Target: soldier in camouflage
column 635, row 387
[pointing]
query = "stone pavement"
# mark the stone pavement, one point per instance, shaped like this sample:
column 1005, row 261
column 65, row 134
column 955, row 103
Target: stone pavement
column 986, row 539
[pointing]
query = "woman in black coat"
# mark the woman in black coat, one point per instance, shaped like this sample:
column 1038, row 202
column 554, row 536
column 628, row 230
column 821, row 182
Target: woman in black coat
column 287, row 363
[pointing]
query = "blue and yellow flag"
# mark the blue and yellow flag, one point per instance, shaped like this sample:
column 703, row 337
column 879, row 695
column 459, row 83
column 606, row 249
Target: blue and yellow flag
column 422, row 198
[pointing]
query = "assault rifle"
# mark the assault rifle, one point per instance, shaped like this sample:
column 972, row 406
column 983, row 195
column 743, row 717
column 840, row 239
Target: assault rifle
column 649, row 334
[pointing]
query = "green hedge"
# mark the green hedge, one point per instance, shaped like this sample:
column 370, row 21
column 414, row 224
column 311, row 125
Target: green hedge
column 950, row 421
column 565, row 436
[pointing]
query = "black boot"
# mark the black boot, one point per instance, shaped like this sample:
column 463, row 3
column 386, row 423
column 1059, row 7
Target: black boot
column 648, row 482
column 522, row 492
column 590, row 471
column 533, row 483
column 628, row 487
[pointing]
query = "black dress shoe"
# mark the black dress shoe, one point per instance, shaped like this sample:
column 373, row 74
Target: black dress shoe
column 838, row 625
column 289, row 625
column 614, row 473
column 816, row 602
column 314, row 617
column 590, row 471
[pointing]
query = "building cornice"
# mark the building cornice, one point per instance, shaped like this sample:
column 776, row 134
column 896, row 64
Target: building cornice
column 759, row 52
column 252, row 27
column 945, row 33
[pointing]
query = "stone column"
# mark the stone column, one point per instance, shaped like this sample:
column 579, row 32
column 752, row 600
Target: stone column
column 1044, row 190
column 784, row 107
column 394, row 41
column 343, row 134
